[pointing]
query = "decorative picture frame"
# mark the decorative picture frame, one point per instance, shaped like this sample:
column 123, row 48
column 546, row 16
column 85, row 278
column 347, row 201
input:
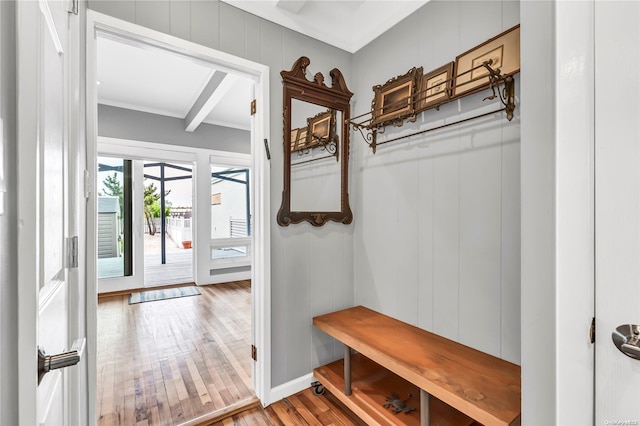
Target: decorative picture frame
column 395, row 100
column 301, row 142
column 294, row 139
column 320, row 128
column 503, row 53
column 435, row 87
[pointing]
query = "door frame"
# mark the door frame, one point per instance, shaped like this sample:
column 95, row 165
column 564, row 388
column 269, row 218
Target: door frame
column 261, row 262
column 557, row 212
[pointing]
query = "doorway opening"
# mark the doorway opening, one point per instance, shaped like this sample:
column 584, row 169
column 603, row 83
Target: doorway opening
column 197, row 345
column 185, row 151
column 168, row 211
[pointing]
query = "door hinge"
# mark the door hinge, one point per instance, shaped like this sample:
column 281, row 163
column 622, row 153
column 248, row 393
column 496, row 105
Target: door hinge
column 254, row 353
column 73, row 7
column 592, row 330
column 253, row 107
column 72, row 252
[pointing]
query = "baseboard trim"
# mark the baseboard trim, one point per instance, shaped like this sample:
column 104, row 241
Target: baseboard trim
column 225, row 277
column 294, row 386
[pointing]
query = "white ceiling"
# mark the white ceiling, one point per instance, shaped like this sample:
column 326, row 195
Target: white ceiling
column 347, row 24
column 161, row 82
column 149, row 79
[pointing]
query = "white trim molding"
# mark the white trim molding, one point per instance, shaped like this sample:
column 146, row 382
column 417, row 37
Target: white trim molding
column 291, row 387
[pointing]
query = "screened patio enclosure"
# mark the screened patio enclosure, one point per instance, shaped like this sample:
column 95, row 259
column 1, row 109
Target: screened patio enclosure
column 166, row 217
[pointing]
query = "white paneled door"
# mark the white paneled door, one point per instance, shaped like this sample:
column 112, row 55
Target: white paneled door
column 617, row 144
column 47, row 33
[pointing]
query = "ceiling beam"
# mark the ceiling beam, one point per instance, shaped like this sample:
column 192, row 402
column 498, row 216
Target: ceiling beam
column 218, row 86
column 292, row 6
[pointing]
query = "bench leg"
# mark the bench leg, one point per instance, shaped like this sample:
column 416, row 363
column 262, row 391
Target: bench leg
column 347, row 370
column 424, row 408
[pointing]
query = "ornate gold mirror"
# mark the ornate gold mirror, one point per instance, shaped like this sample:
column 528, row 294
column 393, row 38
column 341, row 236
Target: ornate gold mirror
column 316, row 148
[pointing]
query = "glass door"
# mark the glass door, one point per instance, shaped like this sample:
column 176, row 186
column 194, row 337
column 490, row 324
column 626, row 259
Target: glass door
column 115, row 242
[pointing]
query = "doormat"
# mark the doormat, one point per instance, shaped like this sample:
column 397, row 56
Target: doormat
column 165, row 293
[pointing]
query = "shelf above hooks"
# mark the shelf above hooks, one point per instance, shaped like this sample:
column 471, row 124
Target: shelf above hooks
column 502, row 87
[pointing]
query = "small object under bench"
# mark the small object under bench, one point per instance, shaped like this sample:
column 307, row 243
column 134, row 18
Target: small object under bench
column 454, row 384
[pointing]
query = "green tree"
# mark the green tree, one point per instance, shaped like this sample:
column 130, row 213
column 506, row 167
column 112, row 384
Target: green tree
column 113, row 188
column 152, row 206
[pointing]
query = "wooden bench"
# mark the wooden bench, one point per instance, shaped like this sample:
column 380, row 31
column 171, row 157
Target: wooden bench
column 449, row 383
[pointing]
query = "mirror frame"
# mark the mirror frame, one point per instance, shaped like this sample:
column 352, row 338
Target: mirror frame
column 337, row 97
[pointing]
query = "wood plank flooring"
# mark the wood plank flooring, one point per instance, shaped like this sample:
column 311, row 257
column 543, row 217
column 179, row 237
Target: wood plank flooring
column 167, row 362
column 173, row 361
column 301, row 409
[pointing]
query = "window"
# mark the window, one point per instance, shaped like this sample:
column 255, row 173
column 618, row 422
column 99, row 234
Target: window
column 115, row 241
column 230, row 214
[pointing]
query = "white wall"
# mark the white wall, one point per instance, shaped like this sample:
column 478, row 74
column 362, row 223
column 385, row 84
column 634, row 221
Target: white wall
column 557, row 212
column 302, row 285
column 8, row 229
column 437, row 240
column 233, row 205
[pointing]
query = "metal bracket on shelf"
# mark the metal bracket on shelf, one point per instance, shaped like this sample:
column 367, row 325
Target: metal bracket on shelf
column 506, row 95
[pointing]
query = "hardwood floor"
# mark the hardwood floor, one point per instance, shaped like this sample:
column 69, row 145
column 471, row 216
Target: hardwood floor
column 171, row 361
column 177, row 361
column 301, row 409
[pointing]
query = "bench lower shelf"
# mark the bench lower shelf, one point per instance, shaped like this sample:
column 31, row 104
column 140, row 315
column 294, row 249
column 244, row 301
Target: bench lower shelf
column 371, row 384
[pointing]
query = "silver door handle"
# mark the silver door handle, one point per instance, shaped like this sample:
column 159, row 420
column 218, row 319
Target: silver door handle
column 626, row 337
column 47, row 363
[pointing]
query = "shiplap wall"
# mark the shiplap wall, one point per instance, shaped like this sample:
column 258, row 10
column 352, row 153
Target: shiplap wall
column 436, row 233
column 437, row 216
column 312, row 268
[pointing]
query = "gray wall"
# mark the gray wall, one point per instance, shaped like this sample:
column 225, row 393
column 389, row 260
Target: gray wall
column 540, row 313
column 8, row 228
column 437, row 216
column 312, row 269
column 409, row 200
column 142, row 126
